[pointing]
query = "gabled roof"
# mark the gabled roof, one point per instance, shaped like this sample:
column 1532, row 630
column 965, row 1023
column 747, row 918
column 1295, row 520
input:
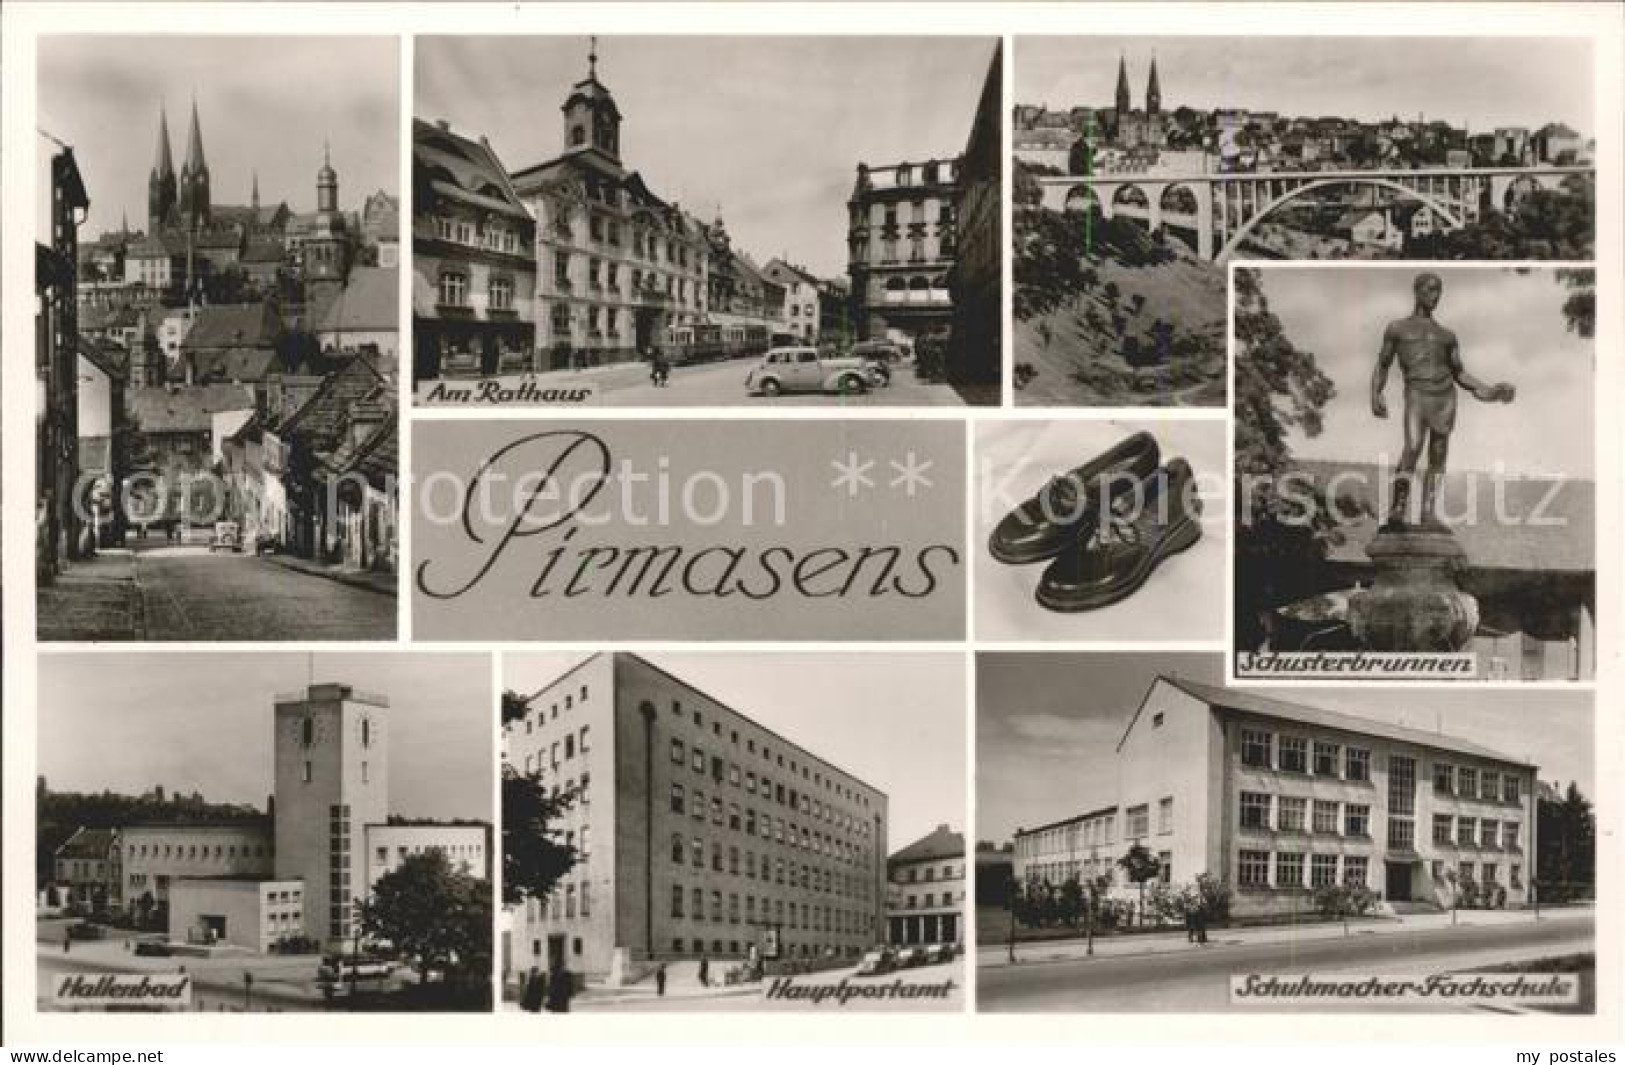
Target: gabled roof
column 369, row 302
column 464, row 170
column 110, row 359
column 186, row 408
column 88, row 843
column 940, row 842
column 322, row 417
column 1265, row 706
column 235, row 364
column 233, row 325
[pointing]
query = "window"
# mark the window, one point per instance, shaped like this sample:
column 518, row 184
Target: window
column 697, row 807
column 1325, row 759
column 1357, row 764
column 1255, row 749
column 1401, row 785
column 501, row 296
column 698, row 849
column 1255, row 810
column 1401, row 834
column 1510, row 788
column 1466, row 831
column 453, row 289
column 676, row 798
column 1165, row 816
column 699, row 760
column 1491, row 871
column 1444, row 778
column 1354, row 870
column 1489, row 833
column 1515, row 875
column 677, row 901
column 1325, row 816
column 1254, row 869
column 1443, row 829
column 678, row 846
column 1356, row 820
column 1323, row 870
column 1139, row 821
column 1156, row 719
column 1509, row 836
column 304, row 774
column 1294, row 754
column 677, row 752
column 1464, row 872
column 1467, row 781
column 1489, row 786
column 1290, row 818
column 583, row 743
column 1289, row 870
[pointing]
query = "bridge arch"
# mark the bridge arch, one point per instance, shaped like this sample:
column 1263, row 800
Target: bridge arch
column 1131, row 196
column 1179, row 198
column 1451, row 221
column 1081, row 198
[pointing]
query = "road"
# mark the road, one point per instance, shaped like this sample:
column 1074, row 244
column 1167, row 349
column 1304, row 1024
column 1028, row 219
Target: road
column 190, row 594
column 718, row 384
column 1198, row 980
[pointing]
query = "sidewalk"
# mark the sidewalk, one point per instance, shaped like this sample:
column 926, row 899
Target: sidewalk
column 382, row 583
column 93, row 599
column 991, row 955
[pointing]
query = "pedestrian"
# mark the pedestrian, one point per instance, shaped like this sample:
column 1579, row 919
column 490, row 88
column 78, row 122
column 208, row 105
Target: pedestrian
column 532, row 990
column 660, row 980
column 560, row 985
column 1190, row 926
column 67, row 941
column 705, row 971
column 1201, row 926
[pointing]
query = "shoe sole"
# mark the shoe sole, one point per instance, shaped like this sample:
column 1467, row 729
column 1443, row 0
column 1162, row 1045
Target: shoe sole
column 1180, row 538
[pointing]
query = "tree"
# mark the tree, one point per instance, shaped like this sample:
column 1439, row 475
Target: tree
column 514, row 706
column 1341, row 901
column 1580, row 309
column 1566, row 842
column 437, row 916
column 534, row 854
column 1283, row 522
column 1140, row 866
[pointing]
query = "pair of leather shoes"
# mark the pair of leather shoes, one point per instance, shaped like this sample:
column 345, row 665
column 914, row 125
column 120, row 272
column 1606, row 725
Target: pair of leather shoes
column 1104, row 527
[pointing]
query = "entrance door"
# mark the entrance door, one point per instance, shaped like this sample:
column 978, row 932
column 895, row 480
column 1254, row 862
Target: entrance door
column 555, row 951
column 950, row 928
column 1398, row 882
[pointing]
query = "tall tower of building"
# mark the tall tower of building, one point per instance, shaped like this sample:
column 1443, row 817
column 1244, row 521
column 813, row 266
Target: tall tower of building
column 254, row 196
column 1153, row 92
column 194, row 184
column 332, row 779
column 327, row 249
column 161, row 182
column 1124, row 103
column 591, row 119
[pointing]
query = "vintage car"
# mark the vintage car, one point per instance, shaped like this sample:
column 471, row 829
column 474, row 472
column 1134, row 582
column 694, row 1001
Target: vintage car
column 805, row 370
column 878, row 962
column 226, row 537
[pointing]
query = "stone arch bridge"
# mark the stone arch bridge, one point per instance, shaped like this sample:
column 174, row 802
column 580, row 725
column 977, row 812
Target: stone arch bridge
column 1224, row 209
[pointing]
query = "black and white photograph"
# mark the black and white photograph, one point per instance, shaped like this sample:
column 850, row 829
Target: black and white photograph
column 1150, row 840
column 264, row 832
column 1100, row 531
column 1415, row 490
column 217, row 283
column 733, row 833
column 1142, row 165
column 715, row 221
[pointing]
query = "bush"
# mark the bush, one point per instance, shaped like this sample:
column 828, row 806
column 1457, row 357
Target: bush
column 1343, row 901
column 300, row 944
column 931, row 359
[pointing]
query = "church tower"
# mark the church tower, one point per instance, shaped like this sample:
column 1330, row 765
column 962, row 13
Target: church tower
column 591, row 119
column 327, row 259
column 1153, row 92
column 161, row 182
column 194, row 184
column 332, row 780
column 1124, row 103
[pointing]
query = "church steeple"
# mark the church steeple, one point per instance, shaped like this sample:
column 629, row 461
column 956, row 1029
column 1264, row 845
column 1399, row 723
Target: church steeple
column 194, row 185
column 591, row 119
column 1153, row 91
column 254, row 196
column 1124, row 103
column 161, row 182
column 327, row 183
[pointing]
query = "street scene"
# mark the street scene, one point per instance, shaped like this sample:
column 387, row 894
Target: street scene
column 218, row 441
column 1163, row 843
column 1142, row 165
column 765, row 877
column 275, row 854
column 719, row 255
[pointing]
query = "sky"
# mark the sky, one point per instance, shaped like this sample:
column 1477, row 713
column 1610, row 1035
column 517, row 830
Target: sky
column 894, row 720
column 264, row 103
column 1482, row 82
column 1510, row 327
column 772, row 129
column 1039, row 741
column 203, row 721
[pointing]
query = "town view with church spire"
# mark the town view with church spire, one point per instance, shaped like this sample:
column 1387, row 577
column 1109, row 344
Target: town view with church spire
column 218, row 440
column 1128, row 206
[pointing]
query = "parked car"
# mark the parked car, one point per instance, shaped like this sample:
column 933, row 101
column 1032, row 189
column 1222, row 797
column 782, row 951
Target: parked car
column 803, row 369
column 878, row 962
column 937, row 953
column 884, row 351
column 338, row 975
column 152, row 948
column 911, row 957
column 227, row 537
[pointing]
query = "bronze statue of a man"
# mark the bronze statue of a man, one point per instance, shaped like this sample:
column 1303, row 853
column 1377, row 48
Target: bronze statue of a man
column 1430, row 359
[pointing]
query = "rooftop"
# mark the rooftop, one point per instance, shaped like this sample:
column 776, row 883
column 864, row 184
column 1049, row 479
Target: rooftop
column 189, row 408
column 940, row 842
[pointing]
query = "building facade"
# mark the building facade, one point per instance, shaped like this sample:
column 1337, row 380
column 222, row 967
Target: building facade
column 473, row 263
column 902, row 242
column 154, row 857
column 803, row 295
column 1277, row 799
column 700, row 832
column 976, row 282
column 616, row 265
column 926, row 890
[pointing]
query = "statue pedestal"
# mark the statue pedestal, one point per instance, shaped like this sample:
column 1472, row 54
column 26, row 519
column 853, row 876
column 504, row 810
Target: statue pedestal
column 1415, row 603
